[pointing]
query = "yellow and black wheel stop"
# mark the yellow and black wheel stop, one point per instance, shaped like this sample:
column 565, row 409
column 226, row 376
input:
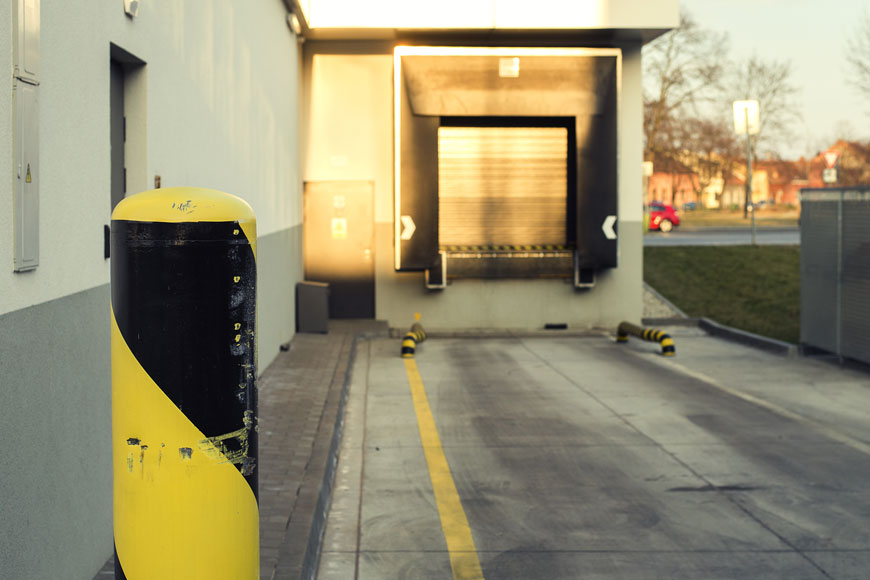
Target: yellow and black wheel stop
column 650, row 334
column 411, row 338
column 184, row 398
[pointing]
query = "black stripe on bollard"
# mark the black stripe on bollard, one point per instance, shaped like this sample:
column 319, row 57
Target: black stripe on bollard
column 119, row 569
column 184, row 386
column 183, row 298
column 411, row 338
column 409, row 346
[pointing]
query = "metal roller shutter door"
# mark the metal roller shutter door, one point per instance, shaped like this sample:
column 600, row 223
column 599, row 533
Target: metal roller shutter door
column 502, row 185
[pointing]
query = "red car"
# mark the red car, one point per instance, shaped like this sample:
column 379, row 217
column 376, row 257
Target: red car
column 662, row 217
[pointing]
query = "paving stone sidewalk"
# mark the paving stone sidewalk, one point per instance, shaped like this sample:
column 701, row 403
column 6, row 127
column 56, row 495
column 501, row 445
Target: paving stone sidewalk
column 300, row 396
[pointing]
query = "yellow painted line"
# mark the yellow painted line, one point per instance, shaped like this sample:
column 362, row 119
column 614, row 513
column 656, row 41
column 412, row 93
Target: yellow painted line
column 460, row 544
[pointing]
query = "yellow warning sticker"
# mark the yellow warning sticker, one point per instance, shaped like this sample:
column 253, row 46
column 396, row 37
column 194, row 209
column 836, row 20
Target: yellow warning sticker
column 339, row 228
column 28, row 179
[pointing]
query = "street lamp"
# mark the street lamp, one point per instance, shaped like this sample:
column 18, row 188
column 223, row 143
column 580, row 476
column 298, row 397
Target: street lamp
column 747, row 121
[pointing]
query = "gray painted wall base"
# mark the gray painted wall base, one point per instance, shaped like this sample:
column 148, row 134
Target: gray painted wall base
column 55, row 427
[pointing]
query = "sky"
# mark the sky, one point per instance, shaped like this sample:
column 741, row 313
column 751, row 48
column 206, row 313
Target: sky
column 813, row 35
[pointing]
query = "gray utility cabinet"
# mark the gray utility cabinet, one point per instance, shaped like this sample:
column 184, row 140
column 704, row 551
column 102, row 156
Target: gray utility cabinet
column 835, row 271
column 312, row 307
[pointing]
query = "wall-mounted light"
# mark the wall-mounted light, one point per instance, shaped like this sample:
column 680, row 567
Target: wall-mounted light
column 509, row 68
column 131, row 8
column 294, row 24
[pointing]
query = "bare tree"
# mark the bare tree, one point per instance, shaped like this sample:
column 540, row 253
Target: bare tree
column 680, row 69
column 712, row 149
column 858, row 56
column 770, row 83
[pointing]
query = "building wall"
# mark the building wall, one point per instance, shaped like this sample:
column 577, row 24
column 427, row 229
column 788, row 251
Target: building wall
column 217, row 107
column 348, row 136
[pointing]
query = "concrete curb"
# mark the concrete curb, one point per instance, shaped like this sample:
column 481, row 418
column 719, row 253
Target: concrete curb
column 687, row 321
column 314, row 546
column 743, row 337
column 300, row 544
column 318, row 524
column 771, row 345
column 713, row 328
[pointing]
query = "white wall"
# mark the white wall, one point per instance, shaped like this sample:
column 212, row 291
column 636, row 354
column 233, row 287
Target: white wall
column 222, row 110
column 350, row 134
column 6, row 165
column 630, row 138
column 219, row 109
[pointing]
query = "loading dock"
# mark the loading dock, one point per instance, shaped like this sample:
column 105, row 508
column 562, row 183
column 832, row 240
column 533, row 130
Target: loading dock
column 506, row 179
column 500, row 149
column 543, row 227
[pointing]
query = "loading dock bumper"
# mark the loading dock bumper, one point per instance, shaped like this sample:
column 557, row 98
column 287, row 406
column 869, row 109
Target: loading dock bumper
column 412, row 337
column 650, row 334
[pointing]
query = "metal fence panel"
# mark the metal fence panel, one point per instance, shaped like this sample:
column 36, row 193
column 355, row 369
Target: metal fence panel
column 855, row 321
column 819, row 240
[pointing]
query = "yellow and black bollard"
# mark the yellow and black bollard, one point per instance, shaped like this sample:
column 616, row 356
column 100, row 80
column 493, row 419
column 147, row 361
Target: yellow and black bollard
column 412, row 337
column 650, row 334
column 184, row 398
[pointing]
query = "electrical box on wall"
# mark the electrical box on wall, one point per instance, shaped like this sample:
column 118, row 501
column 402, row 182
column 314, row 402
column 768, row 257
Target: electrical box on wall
column 26, row 175
column 26, row 42
column 25, row 107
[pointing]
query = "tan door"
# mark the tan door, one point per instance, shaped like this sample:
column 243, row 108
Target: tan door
column 339, row 242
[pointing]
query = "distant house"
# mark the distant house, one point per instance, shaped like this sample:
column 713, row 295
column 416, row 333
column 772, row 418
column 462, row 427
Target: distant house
column 672, row 183
column 733, row 192
column 853, row 165
column 774, row 181
column 784, row 180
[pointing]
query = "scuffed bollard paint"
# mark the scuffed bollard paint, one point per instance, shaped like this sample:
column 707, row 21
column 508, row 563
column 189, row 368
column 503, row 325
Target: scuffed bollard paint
column 184, row 397
column 650, row 334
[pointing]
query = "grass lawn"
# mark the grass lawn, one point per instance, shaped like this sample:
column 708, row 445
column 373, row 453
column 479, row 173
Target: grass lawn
column 751, row 288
